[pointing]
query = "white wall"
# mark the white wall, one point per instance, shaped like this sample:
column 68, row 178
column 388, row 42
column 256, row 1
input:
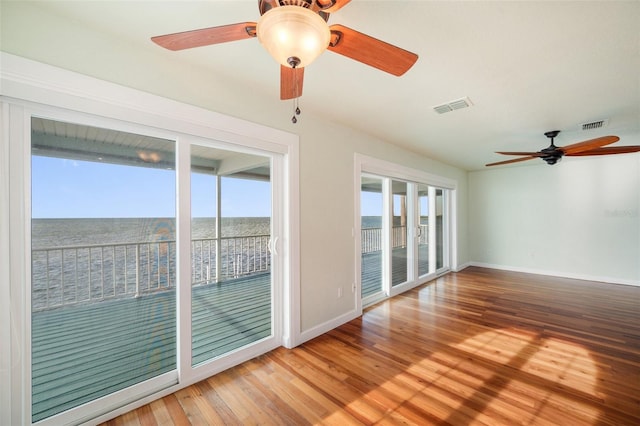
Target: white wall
column 579, row 218
column 326, row 149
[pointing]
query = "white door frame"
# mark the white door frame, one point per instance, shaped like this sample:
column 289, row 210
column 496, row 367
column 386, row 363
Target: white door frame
column 28, row 87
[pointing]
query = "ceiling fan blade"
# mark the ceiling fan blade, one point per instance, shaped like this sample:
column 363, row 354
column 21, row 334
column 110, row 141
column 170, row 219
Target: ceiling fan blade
column 588, row 145
column 515, row 160
column 291, row 80
column 532, row 154
column 331, row 6
column 370, row 51
column 608, row 150
column 206, row 36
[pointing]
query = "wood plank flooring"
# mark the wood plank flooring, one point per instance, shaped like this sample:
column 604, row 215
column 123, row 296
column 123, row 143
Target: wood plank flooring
column 479, row 347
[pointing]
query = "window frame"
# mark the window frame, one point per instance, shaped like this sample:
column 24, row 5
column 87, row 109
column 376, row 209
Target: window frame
column 370, row 166
column 34, row 89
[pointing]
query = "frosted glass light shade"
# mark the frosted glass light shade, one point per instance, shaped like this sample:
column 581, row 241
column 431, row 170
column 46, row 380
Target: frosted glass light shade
column 293, row 31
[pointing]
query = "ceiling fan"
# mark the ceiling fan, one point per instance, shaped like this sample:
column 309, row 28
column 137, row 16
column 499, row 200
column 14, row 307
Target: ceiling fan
column 295, row 32
column 552, row 154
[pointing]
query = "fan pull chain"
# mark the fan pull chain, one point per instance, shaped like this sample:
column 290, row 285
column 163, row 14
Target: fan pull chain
column 296, row 110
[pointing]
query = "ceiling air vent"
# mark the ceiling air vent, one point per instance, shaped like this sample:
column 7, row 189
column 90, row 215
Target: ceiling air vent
column 453, row 105
column 595, row 124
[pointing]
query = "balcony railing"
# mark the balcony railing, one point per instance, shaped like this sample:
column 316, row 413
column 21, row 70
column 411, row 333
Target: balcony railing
column 71, row 275
column 371, row 240
column 78, row 274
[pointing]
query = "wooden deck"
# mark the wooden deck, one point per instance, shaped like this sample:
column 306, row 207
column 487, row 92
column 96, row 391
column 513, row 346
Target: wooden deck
column 83, row 352
column 479, row 347
column 371, row 267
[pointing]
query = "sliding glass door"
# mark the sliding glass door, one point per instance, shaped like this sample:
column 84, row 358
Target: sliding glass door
column 115, row 308
column 103, row 271
column 371, row 223
column 413, row 243
column 442, row 227
column 399, row 233
column 423, row 230
column 231, row 260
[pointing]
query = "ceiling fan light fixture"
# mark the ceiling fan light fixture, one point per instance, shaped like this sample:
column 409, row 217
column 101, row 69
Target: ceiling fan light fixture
column 293, row 32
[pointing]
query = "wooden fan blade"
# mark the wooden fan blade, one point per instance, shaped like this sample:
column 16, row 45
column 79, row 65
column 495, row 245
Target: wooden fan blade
column 608, row 150
column 588, row 145
column 370, row 51
column 532, row 154
column 291, row 82
column 515, row 160
column 206, row 36
column 331, row 6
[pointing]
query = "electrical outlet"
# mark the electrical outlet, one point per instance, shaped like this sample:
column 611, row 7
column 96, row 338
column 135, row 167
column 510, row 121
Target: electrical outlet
column 339, row 292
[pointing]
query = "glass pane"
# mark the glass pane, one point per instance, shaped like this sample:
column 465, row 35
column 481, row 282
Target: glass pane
column 440, row 225
column 231, row 261
column 423, row 229
column 371, row 208
column 399, row 233
column 103, row 263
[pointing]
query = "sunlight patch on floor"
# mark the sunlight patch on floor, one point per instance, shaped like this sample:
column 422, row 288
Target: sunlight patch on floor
column 496, row 377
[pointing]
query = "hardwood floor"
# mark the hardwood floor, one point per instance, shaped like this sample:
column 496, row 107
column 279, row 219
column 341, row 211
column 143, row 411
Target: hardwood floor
column 480, row 347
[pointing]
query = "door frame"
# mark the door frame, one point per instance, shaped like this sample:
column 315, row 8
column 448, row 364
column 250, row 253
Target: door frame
column 364, row 164
column 27, row 87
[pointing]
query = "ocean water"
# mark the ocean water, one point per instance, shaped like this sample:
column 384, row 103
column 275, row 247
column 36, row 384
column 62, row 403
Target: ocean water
column 88, row 260
column 376, row 221
column 49, row 233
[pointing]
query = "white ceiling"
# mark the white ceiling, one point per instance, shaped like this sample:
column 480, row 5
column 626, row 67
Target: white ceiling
column 528, row 67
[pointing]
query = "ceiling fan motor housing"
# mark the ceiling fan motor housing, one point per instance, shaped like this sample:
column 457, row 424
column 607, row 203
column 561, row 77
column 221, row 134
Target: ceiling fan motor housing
column 552, row 154
column 553, row 158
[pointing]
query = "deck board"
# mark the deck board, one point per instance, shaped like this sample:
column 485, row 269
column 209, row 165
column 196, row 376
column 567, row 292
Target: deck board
column 371, row 267
column 83, row 352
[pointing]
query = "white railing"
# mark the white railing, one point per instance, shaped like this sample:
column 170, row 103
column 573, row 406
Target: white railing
column 77, row 274
column 239, row 256
column 371, row 238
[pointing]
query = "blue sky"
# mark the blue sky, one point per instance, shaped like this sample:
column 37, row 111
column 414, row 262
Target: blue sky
column 64, row 188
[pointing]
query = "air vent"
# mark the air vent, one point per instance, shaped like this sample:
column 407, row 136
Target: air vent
column 453, row 105
column 595, row 124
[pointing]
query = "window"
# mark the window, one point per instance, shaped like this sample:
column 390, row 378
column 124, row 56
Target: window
column 107, row 286
column 404, row 228
column 103, row 271
column 371, row 214
column 231, row 292
column 399, row 233
column 137, row 146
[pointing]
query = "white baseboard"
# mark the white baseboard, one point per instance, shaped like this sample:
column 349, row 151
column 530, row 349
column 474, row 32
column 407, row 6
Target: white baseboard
column 326, row 326
column 463, row 266
column 583, row 277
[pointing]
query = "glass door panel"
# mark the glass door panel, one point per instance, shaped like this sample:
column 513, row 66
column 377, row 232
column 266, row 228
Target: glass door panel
column 423, row 229
column 103, row 272
column 441, row 215
column 399, row 250
column 231, row 261
column 371, row 239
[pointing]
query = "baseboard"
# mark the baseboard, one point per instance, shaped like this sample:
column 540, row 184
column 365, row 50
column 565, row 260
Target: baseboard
column 462, row 267
column 582, row 277
column 326, row 326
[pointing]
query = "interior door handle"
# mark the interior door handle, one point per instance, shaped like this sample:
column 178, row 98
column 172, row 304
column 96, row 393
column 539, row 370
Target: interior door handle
column 273, row 245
